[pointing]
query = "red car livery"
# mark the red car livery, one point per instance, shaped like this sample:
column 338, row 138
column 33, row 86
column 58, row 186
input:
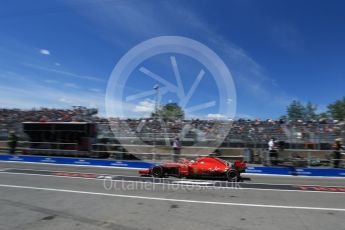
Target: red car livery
column 203, row 167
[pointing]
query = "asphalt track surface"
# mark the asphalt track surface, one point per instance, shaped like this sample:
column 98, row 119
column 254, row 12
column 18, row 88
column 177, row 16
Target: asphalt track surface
column 35, row 196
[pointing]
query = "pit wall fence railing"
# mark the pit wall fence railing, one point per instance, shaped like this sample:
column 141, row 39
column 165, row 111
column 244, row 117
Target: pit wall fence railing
column 160, row 153
column 306, row 158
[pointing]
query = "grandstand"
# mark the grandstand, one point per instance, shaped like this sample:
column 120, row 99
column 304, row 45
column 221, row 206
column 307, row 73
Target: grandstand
column 126, row 134
column 242, row 131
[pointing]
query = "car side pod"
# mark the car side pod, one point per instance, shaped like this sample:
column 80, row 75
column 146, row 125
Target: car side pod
column 232, row 175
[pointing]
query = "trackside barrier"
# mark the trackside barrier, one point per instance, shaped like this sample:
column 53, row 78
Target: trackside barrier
column 294, row 171
column 76, row 161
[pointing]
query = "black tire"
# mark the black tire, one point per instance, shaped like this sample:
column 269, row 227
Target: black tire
column 158, row 171
column 233, row 175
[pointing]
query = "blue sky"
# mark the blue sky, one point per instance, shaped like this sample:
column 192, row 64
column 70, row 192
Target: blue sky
column 62, row 53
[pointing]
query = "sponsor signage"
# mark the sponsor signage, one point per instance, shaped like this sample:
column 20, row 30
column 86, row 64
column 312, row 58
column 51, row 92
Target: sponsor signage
column 76, row 161
column 296, row 171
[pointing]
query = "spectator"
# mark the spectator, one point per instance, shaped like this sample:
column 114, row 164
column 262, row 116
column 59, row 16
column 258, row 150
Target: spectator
column 272, row 150
column 12, row 142
column 271, row 144
column 338, row 147
column 176, row 148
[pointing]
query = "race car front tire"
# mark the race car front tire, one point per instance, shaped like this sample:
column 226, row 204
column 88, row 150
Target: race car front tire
column 233, row 176
column 158, row 171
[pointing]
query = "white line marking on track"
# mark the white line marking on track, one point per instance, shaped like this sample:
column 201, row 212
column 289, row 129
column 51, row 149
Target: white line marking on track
column 192, row 182
column 181, row 185
column 174, row 200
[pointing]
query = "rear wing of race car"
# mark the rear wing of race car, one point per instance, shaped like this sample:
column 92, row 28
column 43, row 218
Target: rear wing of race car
column 240, row 165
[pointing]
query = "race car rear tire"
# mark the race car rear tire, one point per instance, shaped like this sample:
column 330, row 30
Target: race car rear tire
column 233, row 176
column 158, row 171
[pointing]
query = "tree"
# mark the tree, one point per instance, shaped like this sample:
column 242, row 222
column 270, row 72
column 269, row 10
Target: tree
column 323, row 115
column 296, row 110
column 310, row 111
column 337, row 109
column 169, row 111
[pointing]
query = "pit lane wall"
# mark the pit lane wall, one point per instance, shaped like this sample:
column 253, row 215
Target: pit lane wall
column 75, row 161
column 293, row 171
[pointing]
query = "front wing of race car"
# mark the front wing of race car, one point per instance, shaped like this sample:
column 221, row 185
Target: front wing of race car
column 145, row 172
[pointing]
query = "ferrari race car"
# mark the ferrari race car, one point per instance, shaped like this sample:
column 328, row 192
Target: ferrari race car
column 203, row 167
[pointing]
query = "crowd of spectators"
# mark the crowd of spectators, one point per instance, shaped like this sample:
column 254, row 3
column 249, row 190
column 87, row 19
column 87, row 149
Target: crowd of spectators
column 44, row 115
column 231, row 130
column 11, row 119
column 313, row 131
column 236, row 130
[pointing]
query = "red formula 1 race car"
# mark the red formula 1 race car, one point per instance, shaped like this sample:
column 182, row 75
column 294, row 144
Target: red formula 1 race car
column 203, row 167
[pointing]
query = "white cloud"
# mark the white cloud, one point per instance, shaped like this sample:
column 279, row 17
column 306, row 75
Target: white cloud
column 145, row 106
column 66, row 100
column 34, row 94
column 71, row 85
column 51, row 81
column 215, row 116
column 229, row 101
column 95, row 90
column 244, row 116
column 26, row 93
column 57, row 64
column 65, row 73
column 44, row 51
column 286, row 36
column 250, row 77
